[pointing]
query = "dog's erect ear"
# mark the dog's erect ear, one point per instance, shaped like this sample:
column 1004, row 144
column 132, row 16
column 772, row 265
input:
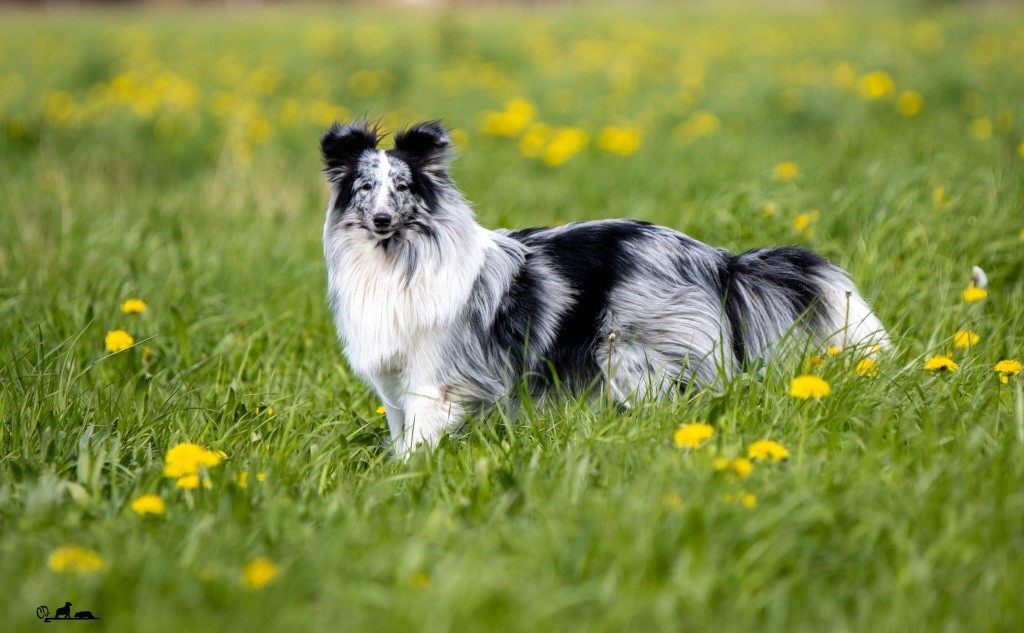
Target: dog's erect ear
column 425, row 146
column 343, row 144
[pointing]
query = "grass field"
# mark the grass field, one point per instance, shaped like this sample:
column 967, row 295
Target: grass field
column 174, row 160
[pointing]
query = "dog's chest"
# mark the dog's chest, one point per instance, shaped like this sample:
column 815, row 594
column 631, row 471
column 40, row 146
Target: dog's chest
column 385, row 315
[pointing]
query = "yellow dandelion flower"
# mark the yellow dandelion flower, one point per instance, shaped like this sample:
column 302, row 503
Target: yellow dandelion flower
column 188, row 482
column 619, row 140
column 740, row 466
column 672, row 500
column 381, row 410
column 564, row 144
column 769, row 209
column 118, row 340
column 258, row 573
column 786, row 172
column 187, row 458
column 692, row 435
column 746, row 499
column 1007, row 368
column 767, row 449
column 809, row 386
column 703, row 123
column 1004, row 122
column 843, row 75
column 833, row 350
column 866, row 367
column 939, row 196
column 511, row 121
column 910, row 103
column 133, row 306
column 72, row 559
column 148, row 504
column 802, row 222
column 965, row 338
column 533, row 141
column 974, row 293
column 980, row 129
column 242, row 479
column 927, row 37
column 940, row 362
column 875, row 85
column 700, row 124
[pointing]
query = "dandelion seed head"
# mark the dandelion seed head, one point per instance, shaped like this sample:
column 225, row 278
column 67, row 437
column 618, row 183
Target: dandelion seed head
column 979, row 277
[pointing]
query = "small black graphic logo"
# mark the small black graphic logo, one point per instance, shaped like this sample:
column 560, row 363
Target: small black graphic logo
column 63, row 613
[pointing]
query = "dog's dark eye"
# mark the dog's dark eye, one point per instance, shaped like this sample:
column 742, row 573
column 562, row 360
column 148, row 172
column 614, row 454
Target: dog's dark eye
column 366, row 187
column 401, row 187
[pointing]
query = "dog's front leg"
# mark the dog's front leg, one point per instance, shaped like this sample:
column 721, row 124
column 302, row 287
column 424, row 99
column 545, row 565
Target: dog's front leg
column 389, row 388
column 396, row 424
column 429, row 413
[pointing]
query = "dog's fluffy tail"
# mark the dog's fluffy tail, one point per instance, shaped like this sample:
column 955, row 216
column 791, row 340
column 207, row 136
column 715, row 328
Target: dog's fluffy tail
column 774, row 293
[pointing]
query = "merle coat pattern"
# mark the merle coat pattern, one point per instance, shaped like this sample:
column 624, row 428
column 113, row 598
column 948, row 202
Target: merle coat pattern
column 443, row 316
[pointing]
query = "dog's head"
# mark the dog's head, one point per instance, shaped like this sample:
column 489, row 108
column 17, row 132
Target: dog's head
column 389, row 194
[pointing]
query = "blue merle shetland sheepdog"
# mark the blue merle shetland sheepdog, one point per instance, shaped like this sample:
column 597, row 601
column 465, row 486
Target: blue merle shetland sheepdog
column 444, row 317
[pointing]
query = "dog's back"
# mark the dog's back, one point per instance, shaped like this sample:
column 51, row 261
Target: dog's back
column 682, row 311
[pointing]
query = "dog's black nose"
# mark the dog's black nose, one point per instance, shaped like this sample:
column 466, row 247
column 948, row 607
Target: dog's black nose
column 381, row 220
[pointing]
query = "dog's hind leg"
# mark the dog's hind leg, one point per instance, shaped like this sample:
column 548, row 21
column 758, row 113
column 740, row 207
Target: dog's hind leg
column 634, row 372
column 638, row 372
